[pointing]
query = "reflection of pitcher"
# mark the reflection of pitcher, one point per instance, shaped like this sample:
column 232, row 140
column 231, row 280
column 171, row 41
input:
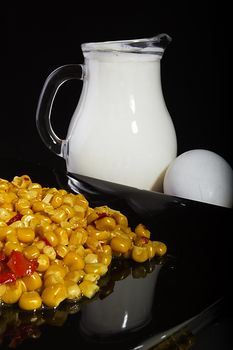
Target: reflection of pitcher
column 121, row 130
column 127, row 309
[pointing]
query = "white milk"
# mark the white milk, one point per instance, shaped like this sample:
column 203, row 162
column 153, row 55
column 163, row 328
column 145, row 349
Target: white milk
column 121, row 130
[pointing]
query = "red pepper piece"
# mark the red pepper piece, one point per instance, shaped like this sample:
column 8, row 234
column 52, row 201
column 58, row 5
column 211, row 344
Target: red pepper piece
column 17, row 217
column 46, row 241
column 20, row 265
column 144, row 239
column 102, row 215
column 7, row 277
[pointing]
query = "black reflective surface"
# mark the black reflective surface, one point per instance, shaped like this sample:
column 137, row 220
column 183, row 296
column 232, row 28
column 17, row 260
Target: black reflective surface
column 182, row 300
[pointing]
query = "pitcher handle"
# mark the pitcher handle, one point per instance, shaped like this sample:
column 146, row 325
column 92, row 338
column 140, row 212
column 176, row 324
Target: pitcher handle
column 45, row 104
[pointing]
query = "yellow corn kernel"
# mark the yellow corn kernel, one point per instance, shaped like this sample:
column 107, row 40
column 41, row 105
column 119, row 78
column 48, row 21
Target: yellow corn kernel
column 104, row 258
column 16, row 224
column 58, row 216
column 57, row 200
column 106, row 249
column 92, row 216
column 88, row 251
column 30, row 301
column 78, row 237
column 70, row 212
column 76, row 222
column 25, row 234
column 44, row 262
column 2, row 290
column 88, row 288
column 41, row 228
column 51, row 237
column 53, row 295
column 56, row 269
column 81, row 200
column 60, row 263
column 12, row 237
column 9, row 247
column 28, row 194
column 43, row 219
column 23, row 285
column 29, row 220
column 79, row 211
column 73, row 290
column 151, row 250
column 139, row 254
column 62, row 235
column 96, row 268
column 4, row 184
column 8, row 206
column 12, row 293
column 31, row 252
column 160, row 248
column 142, row 231
column 80, row 250
column 92, row 243
column 120, row 218
column 21, row 181
column 78, row 264
column 3, row 232
column 40, row 245
column 100, row 235
column 50, row 252
column 34, row 185
column 32, row 282
column 131, row 235
column 91, row 258
column 92, row 277
column 120, row 245
column 61, row 250
column 22, row 204
column 52, row 279
column 5, row 214
column 71, row 257
column 38, row 206
column 74, row 276
column 26, row 211
column 69, row 199
column 119, row 232
column 105, row 224
column 3, row 224
column 62, row 192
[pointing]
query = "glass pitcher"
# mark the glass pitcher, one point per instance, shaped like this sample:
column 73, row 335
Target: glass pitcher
column 121, row 130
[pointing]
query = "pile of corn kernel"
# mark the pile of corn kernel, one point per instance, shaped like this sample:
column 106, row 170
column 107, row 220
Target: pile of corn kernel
column 54, row 246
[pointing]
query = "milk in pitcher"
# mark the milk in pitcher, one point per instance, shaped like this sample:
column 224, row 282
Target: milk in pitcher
column 121, row 130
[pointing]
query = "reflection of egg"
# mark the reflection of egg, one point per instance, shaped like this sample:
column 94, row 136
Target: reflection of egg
column 200, row 175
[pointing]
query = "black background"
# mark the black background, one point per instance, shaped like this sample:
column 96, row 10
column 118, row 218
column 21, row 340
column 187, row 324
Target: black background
column 37, row 39
column 194, row 68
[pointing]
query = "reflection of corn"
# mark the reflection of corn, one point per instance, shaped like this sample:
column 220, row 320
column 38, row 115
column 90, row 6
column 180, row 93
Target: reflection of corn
column 181, row 340
column 73, row 243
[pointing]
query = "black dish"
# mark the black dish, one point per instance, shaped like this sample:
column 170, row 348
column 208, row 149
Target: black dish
column 139, row 306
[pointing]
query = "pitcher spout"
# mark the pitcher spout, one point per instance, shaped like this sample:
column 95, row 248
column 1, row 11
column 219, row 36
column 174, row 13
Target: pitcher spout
column 161, row 40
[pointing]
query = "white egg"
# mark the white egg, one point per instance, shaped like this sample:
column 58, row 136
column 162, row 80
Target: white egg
column 200, row 175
